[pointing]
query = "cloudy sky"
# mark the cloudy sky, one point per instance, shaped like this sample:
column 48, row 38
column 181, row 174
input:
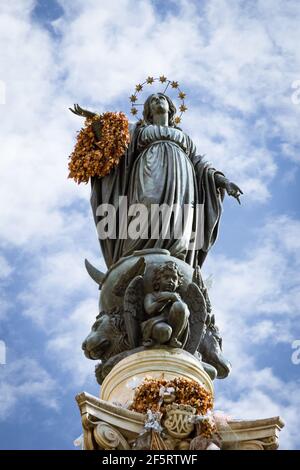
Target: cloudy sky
column 239, row 63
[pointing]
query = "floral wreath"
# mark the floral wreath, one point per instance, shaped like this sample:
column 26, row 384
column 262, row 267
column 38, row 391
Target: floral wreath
column 162, row 79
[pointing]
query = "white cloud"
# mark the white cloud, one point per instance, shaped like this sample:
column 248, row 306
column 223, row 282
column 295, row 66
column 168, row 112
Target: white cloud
column 13, row 7
column 23, row 383
column 237, row 63
column 266, row 281
column 257, row 404
column 5, row 271
column 256, row 300
column 62, row 300
column 270, row 331
column 67, row 340
column 102, row 51
column 5, row 268
column 229, row 84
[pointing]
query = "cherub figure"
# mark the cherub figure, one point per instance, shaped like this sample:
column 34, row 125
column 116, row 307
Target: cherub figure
column 169, row 313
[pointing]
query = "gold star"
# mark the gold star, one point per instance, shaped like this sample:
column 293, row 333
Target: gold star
column 182, row 95
column 150, row 80
column 177, row 120
column 174, row 84
column 182, row 108
column 162, row 79
column 139, row 87
column 133, row 98
column 134, row 111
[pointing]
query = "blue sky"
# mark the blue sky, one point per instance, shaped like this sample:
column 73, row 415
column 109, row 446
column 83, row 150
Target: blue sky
column 237, row 61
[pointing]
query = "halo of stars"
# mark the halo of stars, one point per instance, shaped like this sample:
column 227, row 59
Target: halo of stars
column 168, row 83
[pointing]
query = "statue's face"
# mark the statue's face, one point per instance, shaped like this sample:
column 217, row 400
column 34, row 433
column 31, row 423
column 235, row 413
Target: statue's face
column 169, row 282
column 159, row 104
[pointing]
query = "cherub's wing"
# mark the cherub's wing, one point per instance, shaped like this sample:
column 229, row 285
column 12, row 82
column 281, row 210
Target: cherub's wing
column 198, row 280
column 134, row 310
column 196, row 303
column 137, row 269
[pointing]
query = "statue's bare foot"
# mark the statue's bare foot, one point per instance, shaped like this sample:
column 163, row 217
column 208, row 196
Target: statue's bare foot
column 174, row 343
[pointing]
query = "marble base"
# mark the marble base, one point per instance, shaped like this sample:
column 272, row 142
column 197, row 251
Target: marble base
column 108, row 424
column 118, row 387
column 109, row 427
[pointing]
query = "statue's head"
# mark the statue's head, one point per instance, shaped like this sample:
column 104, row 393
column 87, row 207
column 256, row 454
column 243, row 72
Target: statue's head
column 167, row 277
column 159, row 103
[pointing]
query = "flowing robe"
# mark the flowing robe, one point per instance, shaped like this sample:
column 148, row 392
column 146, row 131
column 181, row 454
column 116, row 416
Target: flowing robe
column 160, row 167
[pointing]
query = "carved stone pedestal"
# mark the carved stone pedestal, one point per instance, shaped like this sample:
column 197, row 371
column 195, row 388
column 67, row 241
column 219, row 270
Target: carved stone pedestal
column 108, row 427
column 108, row 424
column 118, row 387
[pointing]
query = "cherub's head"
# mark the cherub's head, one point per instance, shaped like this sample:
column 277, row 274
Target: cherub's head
column 167, row 277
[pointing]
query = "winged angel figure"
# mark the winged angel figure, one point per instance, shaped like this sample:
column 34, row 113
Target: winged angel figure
column 169, row 314
column 164, row 316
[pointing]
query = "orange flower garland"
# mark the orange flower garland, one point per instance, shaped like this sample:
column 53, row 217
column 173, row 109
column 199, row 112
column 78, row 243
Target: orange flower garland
column 187, row 392
column 92, row 158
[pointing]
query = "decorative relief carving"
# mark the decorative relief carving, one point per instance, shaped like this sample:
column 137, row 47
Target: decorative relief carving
column 100, row 433
column 178, row 421
column 109, row 438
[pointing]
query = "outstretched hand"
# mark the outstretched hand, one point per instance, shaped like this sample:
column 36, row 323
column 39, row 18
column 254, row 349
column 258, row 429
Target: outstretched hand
column 96, row 124
column 82, row 112
column 233, row 190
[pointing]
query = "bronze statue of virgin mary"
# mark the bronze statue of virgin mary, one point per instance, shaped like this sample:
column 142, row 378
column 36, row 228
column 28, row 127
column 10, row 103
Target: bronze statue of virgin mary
column 161, row 167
